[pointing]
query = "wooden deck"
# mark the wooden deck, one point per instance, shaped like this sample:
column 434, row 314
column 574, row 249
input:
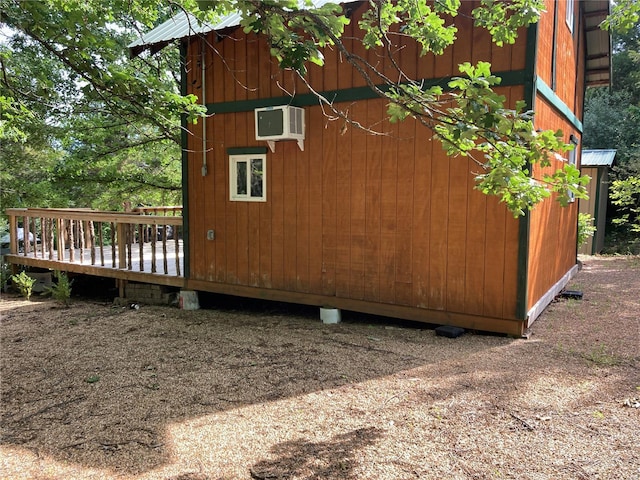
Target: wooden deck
column 143, row 245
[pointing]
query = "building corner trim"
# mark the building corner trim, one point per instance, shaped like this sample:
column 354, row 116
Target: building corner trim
column 548, row 297
column 525, row 221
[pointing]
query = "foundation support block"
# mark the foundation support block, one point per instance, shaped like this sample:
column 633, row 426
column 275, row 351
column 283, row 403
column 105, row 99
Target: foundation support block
column 330, row 315
column 188, row 300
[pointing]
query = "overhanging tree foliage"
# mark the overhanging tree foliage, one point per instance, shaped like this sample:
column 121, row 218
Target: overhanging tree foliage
column 117, row 121
column 106, row 126
column 612, row 121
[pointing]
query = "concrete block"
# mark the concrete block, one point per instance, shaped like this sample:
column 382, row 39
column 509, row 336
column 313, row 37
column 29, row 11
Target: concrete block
column 188, row 300
column 330, row 315
column 43, row 281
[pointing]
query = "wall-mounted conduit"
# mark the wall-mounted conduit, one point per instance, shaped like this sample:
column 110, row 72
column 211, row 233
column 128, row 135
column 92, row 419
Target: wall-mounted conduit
column 204, row 103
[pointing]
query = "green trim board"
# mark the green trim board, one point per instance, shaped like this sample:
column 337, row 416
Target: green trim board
column 509, row 79
column 246, row 150
column 524, row 225
column 185, row 164
column 556, row 102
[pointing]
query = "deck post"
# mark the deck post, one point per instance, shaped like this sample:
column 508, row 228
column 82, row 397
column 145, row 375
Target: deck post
column 113, row 244
column 61, row 229
column 51, row 229
column 13, row 241
column 26, row 235
column 92, row 241
column 154, row 237
column 121, row 229
column 141, row 233
column 43, row 236
column 122, row 287
column 72, row 240
column 13, row 235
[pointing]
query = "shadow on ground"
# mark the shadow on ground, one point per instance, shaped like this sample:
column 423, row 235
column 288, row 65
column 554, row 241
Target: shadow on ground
column 257, row 390
column 97, row 384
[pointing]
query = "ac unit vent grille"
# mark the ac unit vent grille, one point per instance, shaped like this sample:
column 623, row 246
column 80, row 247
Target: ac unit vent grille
column 296, row 121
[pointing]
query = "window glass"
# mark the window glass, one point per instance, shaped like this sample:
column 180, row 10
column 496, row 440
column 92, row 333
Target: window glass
column 256, row 177
column 569, row 15
column 247, row 178
column 241, row 178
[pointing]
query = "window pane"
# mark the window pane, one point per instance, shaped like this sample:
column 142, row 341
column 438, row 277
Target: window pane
column 241, row 178
column 569, row 15
column 256, row 177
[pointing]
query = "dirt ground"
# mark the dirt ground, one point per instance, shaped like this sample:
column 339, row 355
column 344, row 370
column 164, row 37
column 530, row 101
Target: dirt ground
column 99, row 391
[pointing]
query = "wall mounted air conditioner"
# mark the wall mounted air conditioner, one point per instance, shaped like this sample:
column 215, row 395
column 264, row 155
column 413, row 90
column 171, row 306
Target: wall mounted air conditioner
column 282, row 122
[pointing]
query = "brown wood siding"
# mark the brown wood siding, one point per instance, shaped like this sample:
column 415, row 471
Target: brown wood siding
column 552, row 247
column 194, row 148
column 544, row 55
column 388, row 220
column 569, row 48
column 579, row 66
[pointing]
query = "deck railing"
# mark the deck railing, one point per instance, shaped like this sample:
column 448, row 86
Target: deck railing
column 145, row 240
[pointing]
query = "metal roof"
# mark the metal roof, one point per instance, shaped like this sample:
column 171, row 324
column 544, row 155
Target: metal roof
column 179, row 26
column 184, row 25
column 598, row 43
column 597, row 158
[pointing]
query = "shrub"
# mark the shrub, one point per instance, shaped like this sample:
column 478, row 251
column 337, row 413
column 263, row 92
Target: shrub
column 24, row 284
column 586, row 228
column 61, row 290
column 5, row 275
column 625, row 194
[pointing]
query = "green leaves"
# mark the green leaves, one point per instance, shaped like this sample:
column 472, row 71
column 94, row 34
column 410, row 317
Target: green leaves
column 471, row 119
column 24, row 283
column 81, row 124
column 297, row 35
column 414, row 18
column 624, row 16
column 625, row 194
column 13, row 119
column 586, row 229
column 502, row 19
column 504, row 144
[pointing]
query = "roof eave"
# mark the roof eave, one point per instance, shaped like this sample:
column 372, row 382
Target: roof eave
column 599, row 47
column 184, row 25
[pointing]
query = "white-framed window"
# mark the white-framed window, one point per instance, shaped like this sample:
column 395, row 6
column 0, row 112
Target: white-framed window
column 248, row 178
column 569, row 14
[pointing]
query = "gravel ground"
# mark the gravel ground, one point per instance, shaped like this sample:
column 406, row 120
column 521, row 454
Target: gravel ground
column 266, row 392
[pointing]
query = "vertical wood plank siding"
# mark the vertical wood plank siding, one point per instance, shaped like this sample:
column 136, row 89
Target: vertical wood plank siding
column 552, row 246
column 385, row 219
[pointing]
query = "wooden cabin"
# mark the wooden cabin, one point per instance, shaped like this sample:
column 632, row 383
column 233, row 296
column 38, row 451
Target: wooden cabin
column 389, row 224
column 596, row 164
